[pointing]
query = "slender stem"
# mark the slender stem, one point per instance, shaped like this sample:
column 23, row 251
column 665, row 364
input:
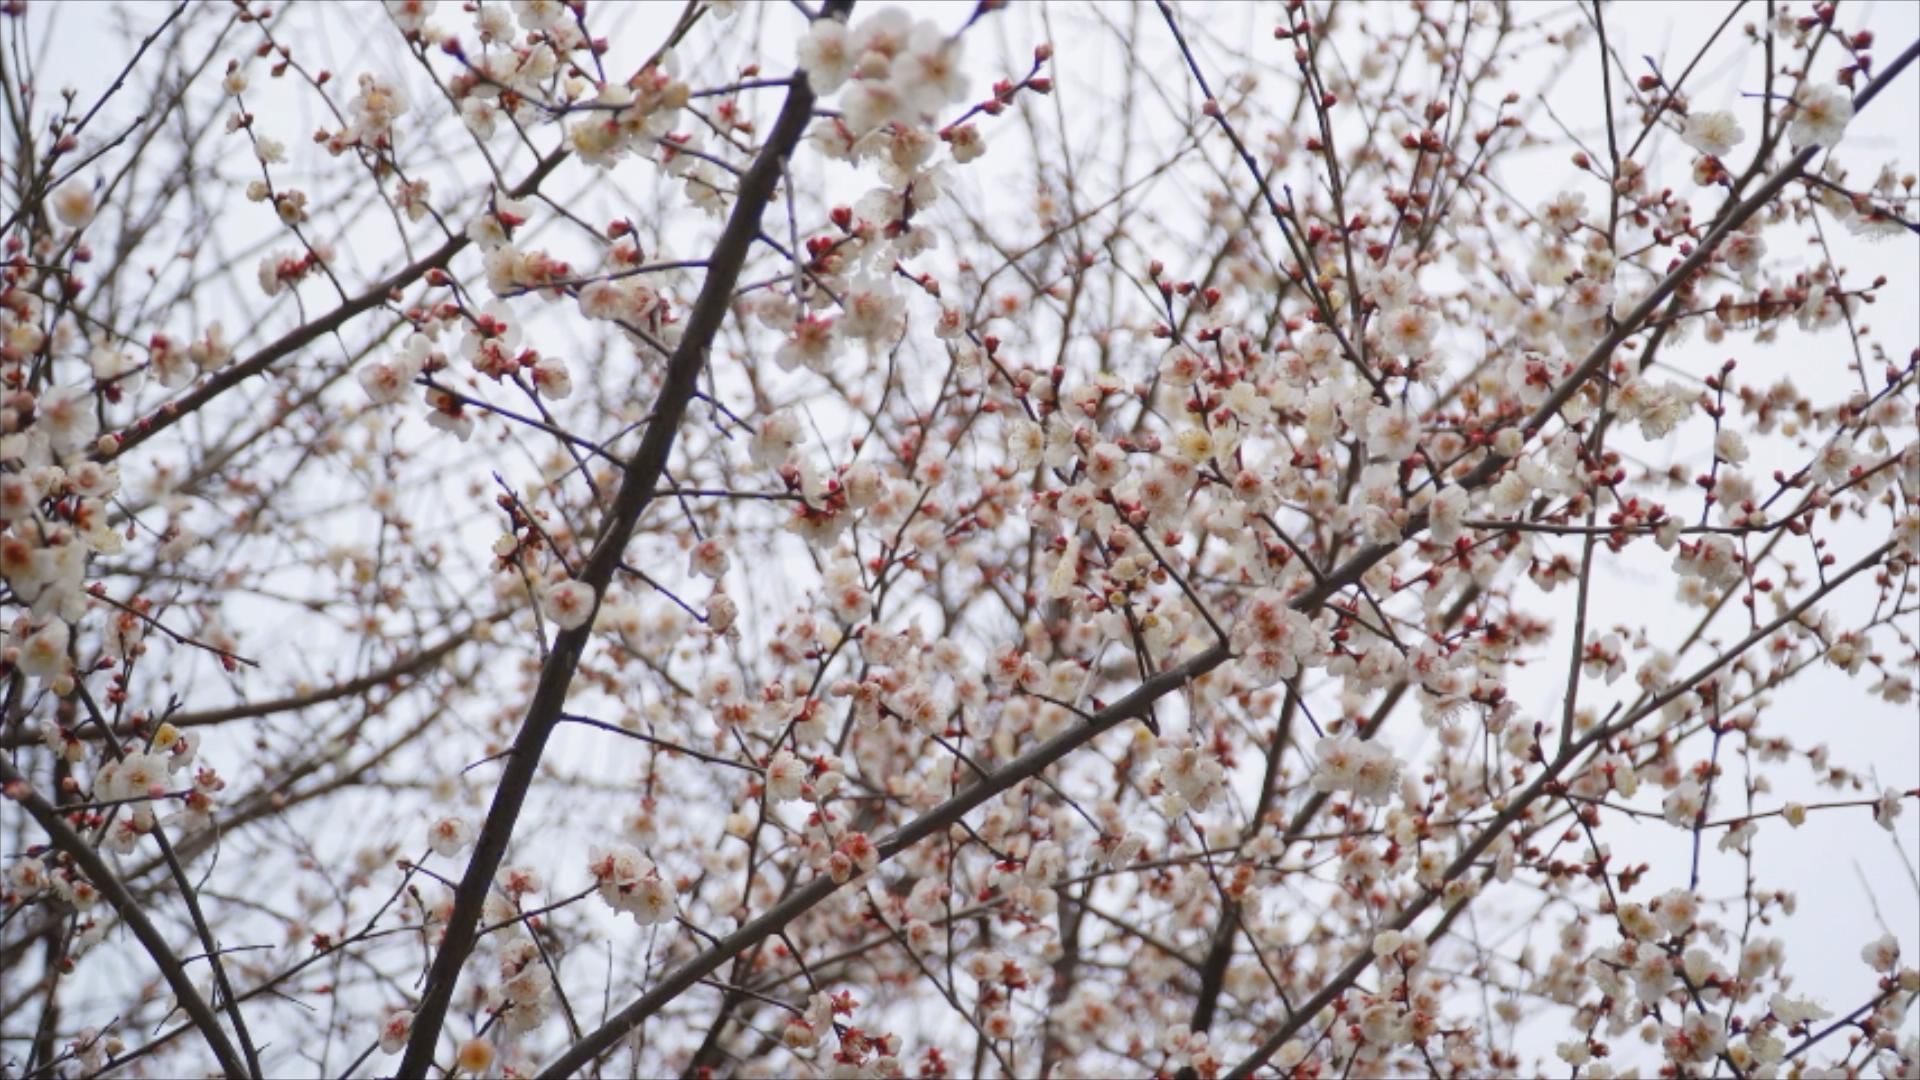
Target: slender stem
column 20, row 790
column 637, row 488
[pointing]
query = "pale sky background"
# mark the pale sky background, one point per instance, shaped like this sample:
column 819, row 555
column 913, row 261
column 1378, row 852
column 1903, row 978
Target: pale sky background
column 1854, row 880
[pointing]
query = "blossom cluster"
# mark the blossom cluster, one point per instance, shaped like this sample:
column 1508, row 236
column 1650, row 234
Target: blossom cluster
column 1281, row 543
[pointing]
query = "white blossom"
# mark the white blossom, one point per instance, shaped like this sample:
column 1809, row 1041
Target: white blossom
column 1821, row 115
column 1715, row 133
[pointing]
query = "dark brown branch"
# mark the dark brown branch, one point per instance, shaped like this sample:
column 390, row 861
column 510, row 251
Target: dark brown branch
column 306, row 333
column 20, row 790
column 1590, row 366
column 409, row 665
column 636, row 493
column 1517, row 805
column 932, row 823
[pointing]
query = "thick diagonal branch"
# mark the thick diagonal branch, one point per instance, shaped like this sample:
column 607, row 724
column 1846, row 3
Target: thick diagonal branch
column 1594, row 362
column 1518, row 804
column 264, row 358
column 932, row 823
column 103, row 878
column 818, row 890
column 399, row 669
column 637, row 489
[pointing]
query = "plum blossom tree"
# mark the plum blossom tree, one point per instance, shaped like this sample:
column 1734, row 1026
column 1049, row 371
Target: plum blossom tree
column 548, row 538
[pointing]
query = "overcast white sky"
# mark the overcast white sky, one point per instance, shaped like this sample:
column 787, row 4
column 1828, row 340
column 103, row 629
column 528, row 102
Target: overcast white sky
column 1851, row 880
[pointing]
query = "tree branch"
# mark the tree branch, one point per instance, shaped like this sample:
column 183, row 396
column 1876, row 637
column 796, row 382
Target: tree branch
column 637, row 488
column 20, row 789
